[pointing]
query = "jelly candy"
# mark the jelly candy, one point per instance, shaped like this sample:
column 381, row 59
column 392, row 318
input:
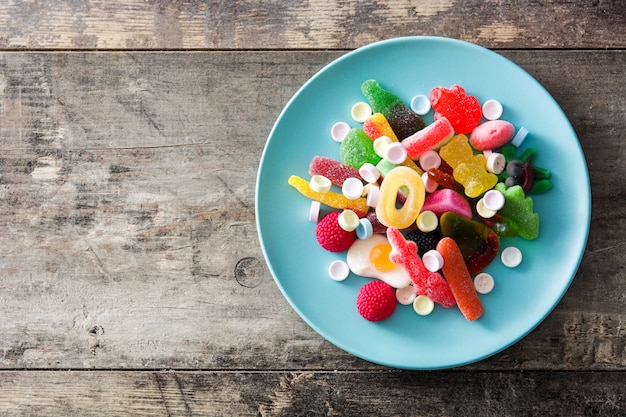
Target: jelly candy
column 463, row 111
column 377, row 226
column 540, row 186
column 519, row 209
column 477, row 242
column 521, row 171
column 501, row 225
column 424, row 281
column 377, row 126
column 386, row 210
column 432, row 136
column 357, row 148
column 492, row 134
column 358, row 259
column 445, row 180
column 444, row 200
column 459, row 279
column 402, row 119
column 331, row 199
column 469, row 169
column 336, row 171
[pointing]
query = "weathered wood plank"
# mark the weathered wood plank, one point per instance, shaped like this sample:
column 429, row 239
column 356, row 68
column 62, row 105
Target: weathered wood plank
column 98, row 393
column 127, row 210
column 162, row 24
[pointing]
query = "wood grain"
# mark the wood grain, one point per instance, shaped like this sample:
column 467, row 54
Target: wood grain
column 131, row 278
column 354, row 394
column 127, row 205
column 338, row 24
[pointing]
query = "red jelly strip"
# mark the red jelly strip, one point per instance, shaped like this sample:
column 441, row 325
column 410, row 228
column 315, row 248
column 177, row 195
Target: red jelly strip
column 336, row 171
column 425, row 282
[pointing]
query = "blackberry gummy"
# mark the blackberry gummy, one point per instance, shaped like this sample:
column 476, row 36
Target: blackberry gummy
column 425, row 241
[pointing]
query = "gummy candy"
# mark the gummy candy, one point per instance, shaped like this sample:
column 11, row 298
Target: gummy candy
column 379, row 257
column 519, row 209
column 377, row 226
column 336, row 171
column 501, row 226
column 377, row 126
column 521, row 171
column 492, row 134
column 357, row 148
column 445, row 180
column 386, row 210
column 424, row 281
column 331, row 199
column 432, row 136
column 459, row 279
column 444, row 200
column 469, row 169
column 463, row 111
column 402, row 119
column 477, row 242
column 453, row 191
column 358, row 259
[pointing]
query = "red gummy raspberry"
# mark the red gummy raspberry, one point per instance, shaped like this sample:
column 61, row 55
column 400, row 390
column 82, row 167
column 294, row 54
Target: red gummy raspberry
column 331, row 236
column 376, row 301
column 463, row 111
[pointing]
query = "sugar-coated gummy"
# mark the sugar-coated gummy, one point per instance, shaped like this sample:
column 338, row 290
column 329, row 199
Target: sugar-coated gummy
column 459, row 279
column 401, row 118
column 336, row 171
column 469, row 169
column 386, row 209
column 463, row 111
column 432, row 136
column 357, row 148
column 331, row 199
column 519, row 209
column 377, row 126
column 424, row 282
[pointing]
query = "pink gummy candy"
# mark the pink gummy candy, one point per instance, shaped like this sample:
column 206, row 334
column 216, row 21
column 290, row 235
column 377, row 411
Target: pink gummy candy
column 492, row 134
column 404, row 253
column 446, row 199
column 336, row 171
column 463, row 111
column 432, row 136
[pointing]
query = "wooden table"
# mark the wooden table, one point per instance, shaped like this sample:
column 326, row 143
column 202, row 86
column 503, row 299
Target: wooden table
column 131, row 277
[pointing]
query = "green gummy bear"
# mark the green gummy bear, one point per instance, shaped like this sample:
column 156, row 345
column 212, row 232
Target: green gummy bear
column 357, row 148
column 519, row 209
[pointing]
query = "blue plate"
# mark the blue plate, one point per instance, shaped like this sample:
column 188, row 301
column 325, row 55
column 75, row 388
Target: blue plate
column 522, row 296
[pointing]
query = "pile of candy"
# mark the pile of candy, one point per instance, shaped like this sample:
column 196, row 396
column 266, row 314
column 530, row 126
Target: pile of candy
column 422, row 209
